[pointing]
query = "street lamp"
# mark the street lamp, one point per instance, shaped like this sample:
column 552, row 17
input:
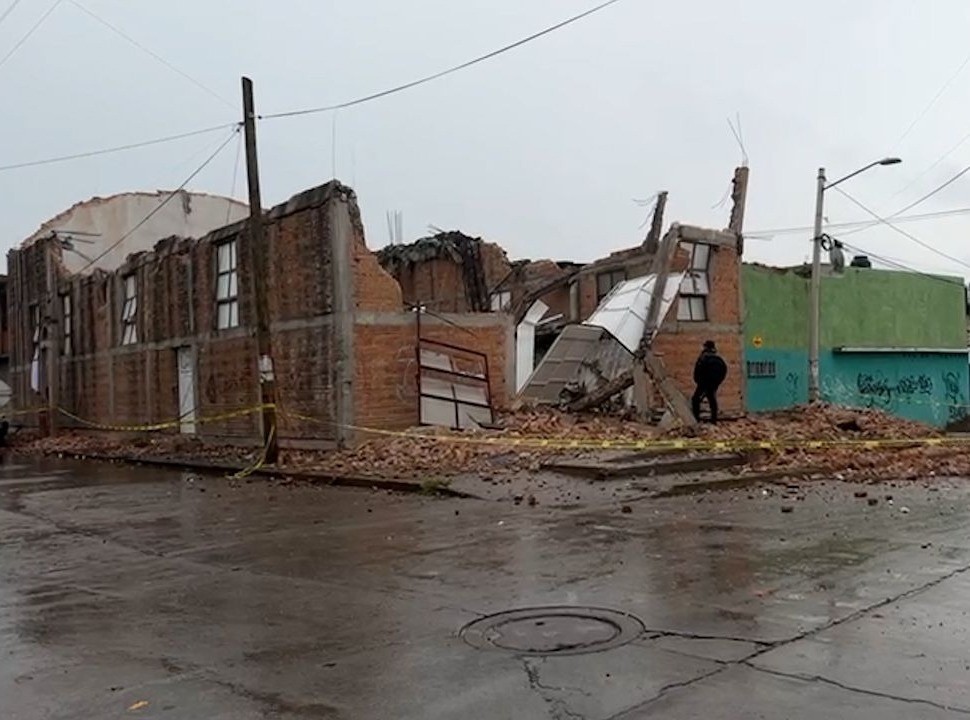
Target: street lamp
column 814, row 319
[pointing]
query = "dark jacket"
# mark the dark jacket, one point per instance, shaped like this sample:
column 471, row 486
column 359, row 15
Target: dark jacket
column 710, row 370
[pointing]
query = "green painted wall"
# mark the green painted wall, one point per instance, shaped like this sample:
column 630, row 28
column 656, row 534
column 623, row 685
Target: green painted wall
column 863, row 308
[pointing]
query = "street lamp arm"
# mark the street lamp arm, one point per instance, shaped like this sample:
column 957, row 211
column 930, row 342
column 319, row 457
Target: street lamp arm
column 884, row 161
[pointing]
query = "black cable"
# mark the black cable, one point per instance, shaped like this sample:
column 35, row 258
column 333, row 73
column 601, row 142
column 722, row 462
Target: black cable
column 859, row 225
column 118, row 148
column 902, row 232
column 9, row 10
column 898, row 265
column 149, row 52
column 449, row 71
column 162, row 204
column 30, row 32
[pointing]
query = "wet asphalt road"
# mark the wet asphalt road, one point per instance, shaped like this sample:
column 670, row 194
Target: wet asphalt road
column 140, row 593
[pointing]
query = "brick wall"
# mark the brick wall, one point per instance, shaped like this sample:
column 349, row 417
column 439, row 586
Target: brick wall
column 438, row 280
column 385, row 361
column 679, row 343
column 106, row 382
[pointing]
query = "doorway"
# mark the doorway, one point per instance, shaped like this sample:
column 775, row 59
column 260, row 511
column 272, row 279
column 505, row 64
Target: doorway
column 186, row 390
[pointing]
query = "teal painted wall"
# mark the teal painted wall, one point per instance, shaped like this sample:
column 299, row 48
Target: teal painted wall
column 863, row 308
column 930, row 388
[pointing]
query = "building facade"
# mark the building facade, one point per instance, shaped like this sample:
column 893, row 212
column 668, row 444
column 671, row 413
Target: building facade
column 708, row 306
column 168, row 336
column 890, row 340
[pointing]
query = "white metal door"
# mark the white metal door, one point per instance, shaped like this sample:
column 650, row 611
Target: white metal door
column 186, row 368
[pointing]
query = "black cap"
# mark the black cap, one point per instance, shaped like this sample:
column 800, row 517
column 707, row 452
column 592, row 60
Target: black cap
column 709, row 345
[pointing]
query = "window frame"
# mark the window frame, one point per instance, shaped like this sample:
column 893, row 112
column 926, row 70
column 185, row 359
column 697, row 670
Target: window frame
column 67, row 324
column 695, row 288
column 762, row 369
column 501, row 300
column 227, row 299
column 611, row 274
column 129, row 309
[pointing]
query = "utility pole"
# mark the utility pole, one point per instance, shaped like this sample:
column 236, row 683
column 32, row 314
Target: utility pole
column 814, row 393
column 816, row 296
column 52, row 348
column 652, row 242
column 259, row 271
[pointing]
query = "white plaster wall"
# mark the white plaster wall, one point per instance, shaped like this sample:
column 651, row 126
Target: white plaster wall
column 108, row 219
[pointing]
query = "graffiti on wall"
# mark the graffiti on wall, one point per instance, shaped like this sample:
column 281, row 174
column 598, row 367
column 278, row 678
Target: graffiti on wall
column 956, row 401
column 879, row 392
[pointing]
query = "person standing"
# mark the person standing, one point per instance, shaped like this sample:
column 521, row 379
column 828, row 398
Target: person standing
column 709, row 372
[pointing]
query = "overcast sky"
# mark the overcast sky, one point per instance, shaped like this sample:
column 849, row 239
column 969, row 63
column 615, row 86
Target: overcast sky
column 542, row 149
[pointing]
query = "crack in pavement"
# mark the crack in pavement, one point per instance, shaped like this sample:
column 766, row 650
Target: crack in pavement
column 768, row 647
column 669, row 688
column 854, row 689
column 557, row 706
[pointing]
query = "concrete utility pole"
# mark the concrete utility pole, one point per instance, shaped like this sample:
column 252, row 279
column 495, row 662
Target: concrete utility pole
column 816, row 296
column 814, row 384
column 259, row 271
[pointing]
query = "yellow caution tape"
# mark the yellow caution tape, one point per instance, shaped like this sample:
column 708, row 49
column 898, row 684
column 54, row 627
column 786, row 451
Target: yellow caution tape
column 651, row 444
column 260, row 461
column 165, row 425
column 540, row 443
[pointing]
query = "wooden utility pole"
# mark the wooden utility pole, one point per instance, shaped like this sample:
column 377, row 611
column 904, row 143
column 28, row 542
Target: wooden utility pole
column 51, row 345
column 259, row 272
column 652, row 241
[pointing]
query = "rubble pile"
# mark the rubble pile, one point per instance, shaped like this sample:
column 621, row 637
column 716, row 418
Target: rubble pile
column 827, row 423
column 818, row 422
column 71, row 443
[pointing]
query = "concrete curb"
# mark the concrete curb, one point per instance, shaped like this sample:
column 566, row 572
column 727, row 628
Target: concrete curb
column 309, row 476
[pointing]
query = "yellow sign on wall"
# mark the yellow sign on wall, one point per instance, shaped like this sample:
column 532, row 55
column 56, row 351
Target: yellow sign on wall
column 757, row 341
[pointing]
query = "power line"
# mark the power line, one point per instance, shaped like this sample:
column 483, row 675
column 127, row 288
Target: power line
column 930, row 194
column 164, row 202
column 117, row 148
column 9, row 10
column 30, row 32
column 898, row 265
column 912, row 237
column 235, row 175
column 443, row 73
column 939, row 94
column 932, row 167
column 858, row 224
column 923, row 199
column 151, row 53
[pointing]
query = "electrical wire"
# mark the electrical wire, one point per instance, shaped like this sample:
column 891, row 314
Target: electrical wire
column 912, row 205
column 442, row 73
column 235, row 176
column 30, row 32
column 9, row 10
column 164, row 202
column 898, row 265
column 858, row 224
column 939, row 94
column 902, row 232
column 118, row 148
column 120, row 33
column 930, row 194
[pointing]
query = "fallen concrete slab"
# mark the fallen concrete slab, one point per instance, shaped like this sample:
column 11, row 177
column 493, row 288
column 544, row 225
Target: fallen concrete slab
column 611, row 469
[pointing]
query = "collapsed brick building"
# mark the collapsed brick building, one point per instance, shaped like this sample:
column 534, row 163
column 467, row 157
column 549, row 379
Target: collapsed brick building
column 450, row 269
column 167, row 339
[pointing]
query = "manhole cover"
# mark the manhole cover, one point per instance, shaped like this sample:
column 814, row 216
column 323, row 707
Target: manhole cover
column 566, row 630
